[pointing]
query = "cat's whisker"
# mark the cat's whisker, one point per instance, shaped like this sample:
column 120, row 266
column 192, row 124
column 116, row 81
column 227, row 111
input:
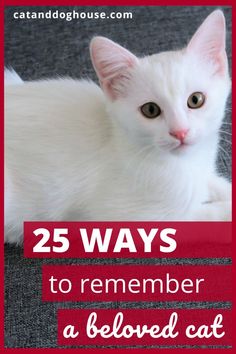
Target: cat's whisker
column 226, row 140
column 225, row 162
column 139, row 154
column 143, row 150
column 225, row 152
column 164, row 144
column 226, row 123
column 225, row 132
column 222, row 160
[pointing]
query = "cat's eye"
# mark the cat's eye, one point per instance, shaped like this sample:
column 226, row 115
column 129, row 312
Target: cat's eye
column 150, row 110
column 196, row 100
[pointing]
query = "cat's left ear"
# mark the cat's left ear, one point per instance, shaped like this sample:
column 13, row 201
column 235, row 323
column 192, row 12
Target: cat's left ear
column 209, row 42
column 112, row 64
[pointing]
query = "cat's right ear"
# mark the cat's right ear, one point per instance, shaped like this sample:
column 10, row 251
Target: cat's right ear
column 112, row 64
column 209, row 42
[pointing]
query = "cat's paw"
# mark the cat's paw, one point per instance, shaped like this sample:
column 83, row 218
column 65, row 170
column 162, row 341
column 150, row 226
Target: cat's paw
column 215, row 211
column 220, row 189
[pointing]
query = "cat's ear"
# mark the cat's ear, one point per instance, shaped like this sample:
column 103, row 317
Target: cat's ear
column 111, row 63
column 209, row 42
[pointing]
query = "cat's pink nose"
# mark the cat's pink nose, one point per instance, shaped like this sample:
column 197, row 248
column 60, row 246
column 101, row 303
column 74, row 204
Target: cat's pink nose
column 179, row 134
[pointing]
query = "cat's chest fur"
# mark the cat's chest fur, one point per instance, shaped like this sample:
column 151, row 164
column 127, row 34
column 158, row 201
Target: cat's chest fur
column 167, row 192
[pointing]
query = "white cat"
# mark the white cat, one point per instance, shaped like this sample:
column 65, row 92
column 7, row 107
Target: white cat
column 142, row 148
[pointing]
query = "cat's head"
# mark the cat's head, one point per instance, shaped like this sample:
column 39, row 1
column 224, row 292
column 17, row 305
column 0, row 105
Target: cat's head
column 172, row 100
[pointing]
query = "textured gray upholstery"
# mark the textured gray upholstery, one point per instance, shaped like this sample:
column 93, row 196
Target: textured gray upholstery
column 45, row 48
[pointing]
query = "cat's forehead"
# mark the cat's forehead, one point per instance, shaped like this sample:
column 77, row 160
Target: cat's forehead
column 167, row 63
column 172, row 70
column 166, row 57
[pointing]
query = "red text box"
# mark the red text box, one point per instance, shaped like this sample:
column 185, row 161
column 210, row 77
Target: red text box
column 123, row 240
column 136, row 283
column 144, row 327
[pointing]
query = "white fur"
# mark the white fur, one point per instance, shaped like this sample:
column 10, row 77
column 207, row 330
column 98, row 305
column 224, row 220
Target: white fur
column 11, row 77
column 75, row 153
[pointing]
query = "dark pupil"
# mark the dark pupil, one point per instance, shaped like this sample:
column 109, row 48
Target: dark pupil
column 195, row 99
column 151, row 109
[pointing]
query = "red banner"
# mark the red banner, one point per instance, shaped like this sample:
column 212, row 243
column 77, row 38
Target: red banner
column 144, row 327
column 136, row 283
column 127, row 239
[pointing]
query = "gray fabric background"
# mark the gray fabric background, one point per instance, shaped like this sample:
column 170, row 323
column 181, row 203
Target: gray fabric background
column 45, row 48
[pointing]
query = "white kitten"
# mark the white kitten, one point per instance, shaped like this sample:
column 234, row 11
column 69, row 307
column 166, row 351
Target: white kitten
column 142, row 148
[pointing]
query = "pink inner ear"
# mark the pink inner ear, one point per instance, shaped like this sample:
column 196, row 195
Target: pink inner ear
column 110, row 62
column 209, row 41
column 222, row 63
column 113, row 64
